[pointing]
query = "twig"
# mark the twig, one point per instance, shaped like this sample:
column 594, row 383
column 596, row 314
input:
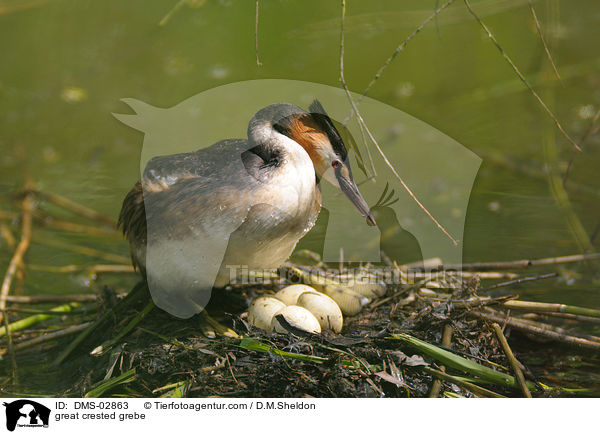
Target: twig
column 398, row 49
column 74, row 207
column 87, row 251
column 470, row 303
column 258, row 62
column 51, row 298
column 227, row 358
column 512, row 359
column 549, row 332
column 93, row 269
column 520, row 75
column 172, row 11
column 520, row 280
column 541, row 34
column 536, row 306
column 51, row 223
column 446, row 342
column 466, row 274
column 17, row 259
column 524, row 263
column 567, row 316
column 362, row 122
column 47, row 337
column 488, row 275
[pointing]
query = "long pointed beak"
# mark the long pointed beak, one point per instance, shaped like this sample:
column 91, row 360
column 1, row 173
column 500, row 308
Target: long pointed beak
column 350, row 189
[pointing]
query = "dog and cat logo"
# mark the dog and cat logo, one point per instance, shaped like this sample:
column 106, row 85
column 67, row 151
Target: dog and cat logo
column 26, row 413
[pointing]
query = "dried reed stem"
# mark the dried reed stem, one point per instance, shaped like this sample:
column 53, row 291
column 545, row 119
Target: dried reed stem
column 17, row 259
column 75, row 207
column 258, row 62
column 446, row 342
column 544, row 330
column 525, row 263
column 512, row 359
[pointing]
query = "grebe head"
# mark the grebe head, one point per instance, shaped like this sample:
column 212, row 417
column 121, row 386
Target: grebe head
column 317, row 134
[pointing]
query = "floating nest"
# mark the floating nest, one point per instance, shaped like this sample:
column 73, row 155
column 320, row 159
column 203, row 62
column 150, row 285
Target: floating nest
column 432, row 337
column 438, row 333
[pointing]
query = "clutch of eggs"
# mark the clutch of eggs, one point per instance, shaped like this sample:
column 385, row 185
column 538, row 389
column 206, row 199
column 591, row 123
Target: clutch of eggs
column 304, row 308
column 301, row 306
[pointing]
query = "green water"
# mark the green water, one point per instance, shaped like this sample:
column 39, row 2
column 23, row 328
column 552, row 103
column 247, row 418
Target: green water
column 66, row 64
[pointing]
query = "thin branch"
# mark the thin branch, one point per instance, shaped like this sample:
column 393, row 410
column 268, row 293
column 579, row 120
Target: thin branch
column 258, row 62
column 514, row 363
column 520, row 75
column 17, row 259
column 541, row 307
column 564, row 316
column 86, row 251
column 92, row 269
column 39, row 299
column 47, row 337
column 362, row 122
column 401, row 47
column 171, row 12
column 521, row 280
column 66, row 226
column 524, row 263
column 74, row 207
column 446, row 342
column 553, row 333
column 540, row 33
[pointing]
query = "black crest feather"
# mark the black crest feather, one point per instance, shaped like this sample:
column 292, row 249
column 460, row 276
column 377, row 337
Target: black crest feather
column 323, row 120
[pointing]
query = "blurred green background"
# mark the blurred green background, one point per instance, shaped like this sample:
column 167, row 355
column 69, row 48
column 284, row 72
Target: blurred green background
column 66, row 64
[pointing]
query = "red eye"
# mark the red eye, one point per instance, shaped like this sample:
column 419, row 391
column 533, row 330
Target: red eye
column 336, row 164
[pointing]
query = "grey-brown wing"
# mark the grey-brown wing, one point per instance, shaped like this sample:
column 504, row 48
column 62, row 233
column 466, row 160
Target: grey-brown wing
column 166, row 170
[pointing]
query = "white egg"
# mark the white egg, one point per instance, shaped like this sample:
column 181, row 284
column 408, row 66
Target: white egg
column 262, row 310
column 298, row 317
column 350, row 302
column 427, row 292
column 367, row 289
column 324, row 308
column 289, row 295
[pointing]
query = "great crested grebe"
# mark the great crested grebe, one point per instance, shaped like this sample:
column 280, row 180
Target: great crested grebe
column 236, row 203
